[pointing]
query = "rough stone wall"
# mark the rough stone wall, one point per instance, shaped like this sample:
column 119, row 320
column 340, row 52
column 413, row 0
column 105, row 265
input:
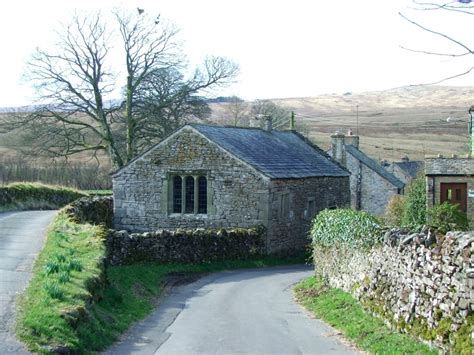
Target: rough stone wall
column 184, row 246
column 375, row 191
column 419, row 283
column 237, row 194
column 289, row 231
column 93, row 210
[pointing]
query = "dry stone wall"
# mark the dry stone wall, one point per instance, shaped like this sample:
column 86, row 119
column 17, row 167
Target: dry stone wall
column 420, row 283
column 184, row 246
column 93, row 210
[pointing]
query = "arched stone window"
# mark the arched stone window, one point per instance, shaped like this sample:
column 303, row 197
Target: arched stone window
column 202, row 195
column 177, row 194
column 189, row 194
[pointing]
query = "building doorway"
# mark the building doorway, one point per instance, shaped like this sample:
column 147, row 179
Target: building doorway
column 455, row 193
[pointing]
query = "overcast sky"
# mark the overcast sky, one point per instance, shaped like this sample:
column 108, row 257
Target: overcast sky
column 285, row 48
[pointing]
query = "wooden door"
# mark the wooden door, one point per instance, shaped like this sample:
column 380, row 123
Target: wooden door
column 455, row 193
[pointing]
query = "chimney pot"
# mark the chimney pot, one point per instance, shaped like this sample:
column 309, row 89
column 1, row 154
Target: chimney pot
column 352, row 139
column 268, row 123
column 338, row 148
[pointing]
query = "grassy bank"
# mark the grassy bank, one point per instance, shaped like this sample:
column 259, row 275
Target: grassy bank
column 27, row 196
column 342, row 311
column 73, row 302
column 67, row 277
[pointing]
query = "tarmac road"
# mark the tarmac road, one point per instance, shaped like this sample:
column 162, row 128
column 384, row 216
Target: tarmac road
column 22, row 236
column 244, row 312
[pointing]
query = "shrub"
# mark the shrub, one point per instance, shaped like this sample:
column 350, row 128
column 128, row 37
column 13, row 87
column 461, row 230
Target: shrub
column 345, row 227
column 394, row 210
column 23, row 196
column 414, row 213
column 447, row 217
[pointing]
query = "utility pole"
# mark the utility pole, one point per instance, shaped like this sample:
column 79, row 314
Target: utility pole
column 292, row 121
column 357, row 120
column 470, row 128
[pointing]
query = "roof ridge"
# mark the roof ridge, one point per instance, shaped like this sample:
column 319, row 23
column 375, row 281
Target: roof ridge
column 372, row 164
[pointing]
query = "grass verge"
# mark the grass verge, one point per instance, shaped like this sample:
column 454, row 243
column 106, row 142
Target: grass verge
column 70, row 304
column 25, row 196
column 342, row 311
column 67, row 277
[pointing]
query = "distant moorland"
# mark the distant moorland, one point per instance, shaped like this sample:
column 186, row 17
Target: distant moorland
column 392, row 123
column 410, row 121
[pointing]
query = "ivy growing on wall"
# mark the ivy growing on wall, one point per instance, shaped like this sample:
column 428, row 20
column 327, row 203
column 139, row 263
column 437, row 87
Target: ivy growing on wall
column 346, row 227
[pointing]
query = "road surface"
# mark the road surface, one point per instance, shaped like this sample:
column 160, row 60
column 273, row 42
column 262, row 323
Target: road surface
column 21, row 239
column 244, row 312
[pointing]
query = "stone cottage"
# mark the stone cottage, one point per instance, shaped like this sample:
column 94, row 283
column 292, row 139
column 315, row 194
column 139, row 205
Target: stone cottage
column 211, row 176
column 451, row 179
column 405, row 170
column 372, row 186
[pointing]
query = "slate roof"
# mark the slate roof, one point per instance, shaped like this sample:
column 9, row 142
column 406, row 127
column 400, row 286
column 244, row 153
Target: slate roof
column 277, row 154
column 372, row 164
column 411, row 168
column 449, row 166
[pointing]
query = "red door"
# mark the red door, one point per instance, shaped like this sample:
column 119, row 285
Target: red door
column 455, row 193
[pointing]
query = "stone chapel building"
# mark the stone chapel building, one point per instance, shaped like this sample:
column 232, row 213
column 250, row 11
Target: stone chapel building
column 214, row 176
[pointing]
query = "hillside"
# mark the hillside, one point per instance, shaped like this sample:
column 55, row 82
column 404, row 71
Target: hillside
column 392, row 123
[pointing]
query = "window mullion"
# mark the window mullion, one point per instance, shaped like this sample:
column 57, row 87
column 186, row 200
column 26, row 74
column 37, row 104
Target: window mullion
column 183, row 193
column 196, row 194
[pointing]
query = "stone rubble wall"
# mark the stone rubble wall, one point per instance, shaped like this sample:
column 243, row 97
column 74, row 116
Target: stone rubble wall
column 419, row 283
column 93, row 210
column 184, row 246
column 290, row 232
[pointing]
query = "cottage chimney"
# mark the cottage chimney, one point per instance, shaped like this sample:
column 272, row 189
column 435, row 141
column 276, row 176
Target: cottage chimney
column 352, row 139
column 338, row 148
column 267, row 123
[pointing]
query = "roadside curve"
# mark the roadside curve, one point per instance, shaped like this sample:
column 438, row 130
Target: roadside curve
column 243, row 311
column 22, row 236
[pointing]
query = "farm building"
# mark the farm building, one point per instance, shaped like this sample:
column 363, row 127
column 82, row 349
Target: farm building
column 451, row 179
column 214, row 176
column 405, row 170
column 372, row 186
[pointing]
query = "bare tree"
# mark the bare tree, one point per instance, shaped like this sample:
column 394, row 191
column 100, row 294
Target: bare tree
column 281, row 116
column 238, row 110
column 75, row 82
column 463, row 7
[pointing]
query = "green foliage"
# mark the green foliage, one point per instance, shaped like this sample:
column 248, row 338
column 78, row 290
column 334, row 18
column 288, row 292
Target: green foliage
column 53, row 290
column 345, row 227
column 414, row 213
column 23, row 196
column 342, row 311
column 394, row 210
column 447, row 217
column 50, row 308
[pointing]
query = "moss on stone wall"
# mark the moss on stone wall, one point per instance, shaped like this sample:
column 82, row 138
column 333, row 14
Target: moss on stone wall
column 185, row 246
column 24, row 196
